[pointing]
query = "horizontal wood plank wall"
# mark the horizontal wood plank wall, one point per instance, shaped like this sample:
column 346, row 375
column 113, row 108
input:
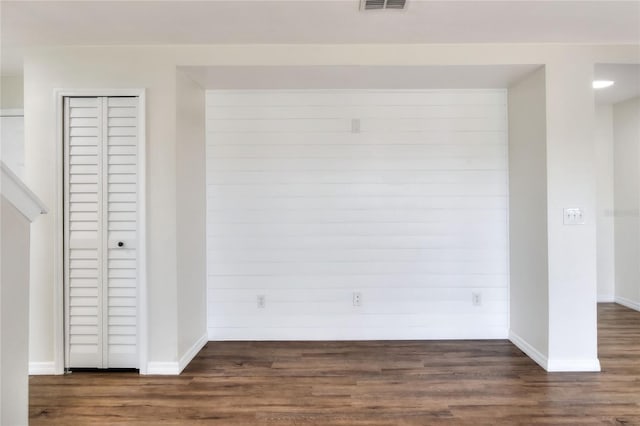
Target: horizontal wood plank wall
column 398, row 195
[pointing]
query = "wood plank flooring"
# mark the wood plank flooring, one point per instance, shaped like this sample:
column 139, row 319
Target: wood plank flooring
column 360, row 383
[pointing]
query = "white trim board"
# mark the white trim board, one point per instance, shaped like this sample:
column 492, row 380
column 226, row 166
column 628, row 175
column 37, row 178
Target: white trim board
column 573, row 365
column 554, row 365
column 293, row 334
column 627, row 302
column 163, row 368
column 47, row 368
column 191, row 353
column 58, row 341
column 606, row 298
column 529, row 350
column 175, row 368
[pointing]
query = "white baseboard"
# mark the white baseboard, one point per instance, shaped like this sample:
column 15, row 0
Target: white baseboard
column 42, row 368
column 529, row 350
column 299, row 334
column 628, row 303
column 163, row 368
column 554, row 365
column 175, row 368
column 573, row 365
column 606, row 298
column 192, row 352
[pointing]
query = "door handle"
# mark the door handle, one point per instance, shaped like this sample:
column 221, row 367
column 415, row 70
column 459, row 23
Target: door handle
column 120, row 243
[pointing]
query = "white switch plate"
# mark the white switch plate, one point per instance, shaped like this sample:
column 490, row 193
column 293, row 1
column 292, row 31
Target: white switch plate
column 573, row 216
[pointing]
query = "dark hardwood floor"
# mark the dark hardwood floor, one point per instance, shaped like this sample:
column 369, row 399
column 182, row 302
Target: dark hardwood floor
column 360, row 383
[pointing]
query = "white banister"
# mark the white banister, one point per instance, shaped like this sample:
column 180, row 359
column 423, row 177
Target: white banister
column 18, row 208
column 18, row 194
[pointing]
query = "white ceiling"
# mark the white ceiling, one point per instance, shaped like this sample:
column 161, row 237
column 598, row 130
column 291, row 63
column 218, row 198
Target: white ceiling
column 326, row 21
column 86, row 22
column 358, row 77
column 90, row 22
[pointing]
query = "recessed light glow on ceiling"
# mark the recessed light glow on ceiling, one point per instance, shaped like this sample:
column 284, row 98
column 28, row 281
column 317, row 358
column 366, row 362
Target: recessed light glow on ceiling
column 602, row 84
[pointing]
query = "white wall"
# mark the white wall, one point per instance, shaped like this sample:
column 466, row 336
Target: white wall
column 14, row 317
column 12, row 142
column 604, row 196
column 626, row 130
column 11, row 92
column 528, row 235
column 98, row 69
column 191, row 217
column 12, row 124
column 409, row 210
column 569, row 71
column 571, row 182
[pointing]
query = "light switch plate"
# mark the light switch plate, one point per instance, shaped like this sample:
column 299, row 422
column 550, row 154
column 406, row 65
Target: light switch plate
column 573, row 216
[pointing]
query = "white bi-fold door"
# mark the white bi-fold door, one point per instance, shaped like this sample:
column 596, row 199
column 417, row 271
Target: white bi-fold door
column 100, row 228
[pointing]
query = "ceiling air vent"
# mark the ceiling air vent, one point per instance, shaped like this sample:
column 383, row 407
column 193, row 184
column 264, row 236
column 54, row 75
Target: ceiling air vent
column 382, row 4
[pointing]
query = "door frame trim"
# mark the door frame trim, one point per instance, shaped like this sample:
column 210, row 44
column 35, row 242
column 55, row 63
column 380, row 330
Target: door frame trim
column 58, row 239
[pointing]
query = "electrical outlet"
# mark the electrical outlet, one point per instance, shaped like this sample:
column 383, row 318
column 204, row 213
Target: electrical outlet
column 355, row 125
column 261, row 301
column 476, row 299
column 357, row 298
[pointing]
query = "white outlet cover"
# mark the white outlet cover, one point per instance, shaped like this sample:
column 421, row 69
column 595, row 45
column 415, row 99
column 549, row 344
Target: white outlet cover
column 357, row 298
column 476, row 299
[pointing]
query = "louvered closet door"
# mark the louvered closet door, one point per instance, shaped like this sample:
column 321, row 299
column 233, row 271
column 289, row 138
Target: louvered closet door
column 100, row 232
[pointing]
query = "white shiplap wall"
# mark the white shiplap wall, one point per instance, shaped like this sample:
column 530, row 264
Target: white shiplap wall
column 398, row 195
